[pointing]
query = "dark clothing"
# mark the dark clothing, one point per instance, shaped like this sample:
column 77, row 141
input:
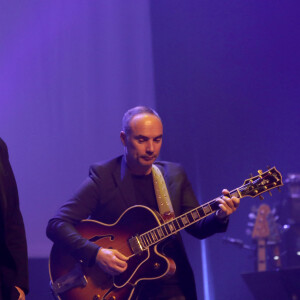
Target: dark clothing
column 107, row 192
column 13, row 247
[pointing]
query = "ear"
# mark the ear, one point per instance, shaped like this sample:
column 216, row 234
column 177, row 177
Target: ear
column 123, row 138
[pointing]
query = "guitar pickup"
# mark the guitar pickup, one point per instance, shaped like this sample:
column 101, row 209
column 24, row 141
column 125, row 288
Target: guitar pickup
column 136, row 244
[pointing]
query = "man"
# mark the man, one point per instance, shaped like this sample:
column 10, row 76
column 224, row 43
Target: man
column 125, row 181
column 13, row 247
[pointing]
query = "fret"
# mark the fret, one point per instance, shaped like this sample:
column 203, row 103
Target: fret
column 152, row 236
column 206, row 209
column 180, row 222
column 167, row 229
column 147, row 238
column 160, row 233
column 171, row 226
column 144, row 240
column 195, row 214
column 200, row 212
column 176, row 224
column 190, row 217
column 214, row 205
column 164, row 230
column 185, row 220
column 156, row 234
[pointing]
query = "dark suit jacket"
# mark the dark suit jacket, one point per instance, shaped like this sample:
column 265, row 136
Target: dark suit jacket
column 107, row 192
column 13, row 249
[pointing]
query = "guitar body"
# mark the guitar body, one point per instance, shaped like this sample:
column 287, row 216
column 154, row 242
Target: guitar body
column 148, row 265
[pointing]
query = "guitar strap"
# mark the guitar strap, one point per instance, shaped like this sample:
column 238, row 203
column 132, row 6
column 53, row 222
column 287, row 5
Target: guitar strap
column 162, row 195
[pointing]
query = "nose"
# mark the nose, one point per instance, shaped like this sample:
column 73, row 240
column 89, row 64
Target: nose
column 150, row 148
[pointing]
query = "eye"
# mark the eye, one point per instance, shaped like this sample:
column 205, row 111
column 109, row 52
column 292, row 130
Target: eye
column 158, row 140
column 141, row 140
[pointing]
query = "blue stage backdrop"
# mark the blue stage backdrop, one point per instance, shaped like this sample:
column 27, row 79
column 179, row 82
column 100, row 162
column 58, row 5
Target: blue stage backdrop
column 225, row 77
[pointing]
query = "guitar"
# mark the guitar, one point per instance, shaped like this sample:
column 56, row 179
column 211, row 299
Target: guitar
column 137, row 234
column 274, row 239
column 261, row 233
column 266, row 233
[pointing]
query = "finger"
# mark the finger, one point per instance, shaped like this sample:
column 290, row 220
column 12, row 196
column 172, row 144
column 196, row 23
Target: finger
column 120, row 263
column 227, row 206
column 118, row 269
column 225, row 202
column 225, row 192
column 236, row 201
column 119, row 255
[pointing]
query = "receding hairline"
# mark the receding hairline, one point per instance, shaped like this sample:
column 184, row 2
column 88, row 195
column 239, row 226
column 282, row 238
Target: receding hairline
column 136, row 111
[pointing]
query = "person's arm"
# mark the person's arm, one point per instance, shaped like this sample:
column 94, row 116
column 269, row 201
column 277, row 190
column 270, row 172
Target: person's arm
column 61, row 228
column 14, row 226
column 214, row 223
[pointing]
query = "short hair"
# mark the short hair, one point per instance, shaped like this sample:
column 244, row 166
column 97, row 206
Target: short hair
column 129, row 114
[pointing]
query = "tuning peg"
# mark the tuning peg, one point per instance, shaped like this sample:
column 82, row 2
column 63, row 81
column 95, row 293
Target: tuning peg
column 270, row 193
column 278, row 188
column 268, row 167
column 251, row 174
column 259, row 172
column 261, row 197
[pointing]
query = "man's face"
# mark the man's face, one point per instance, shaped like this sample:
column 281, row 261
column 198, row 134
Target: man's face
column 142, row 143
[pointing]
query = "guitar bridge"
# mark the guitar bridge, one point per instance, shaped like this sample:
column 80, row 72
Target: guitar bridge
column 136, row 244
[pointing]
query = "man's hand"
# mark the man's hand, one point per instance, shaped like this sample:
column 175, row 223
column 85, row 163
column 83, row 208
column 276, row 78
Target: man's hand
column 227, row 204
column 111, row 261
column 22, row 294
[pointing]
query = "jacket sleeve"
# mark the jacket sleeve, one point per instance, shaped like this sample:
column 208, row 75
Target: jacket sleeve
column 14, row 226
column 61, row 228
column 188, row 201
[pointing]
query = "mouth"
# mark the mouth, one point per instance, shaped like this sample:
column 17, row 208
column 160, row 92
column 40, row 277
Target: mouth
column 148, row 158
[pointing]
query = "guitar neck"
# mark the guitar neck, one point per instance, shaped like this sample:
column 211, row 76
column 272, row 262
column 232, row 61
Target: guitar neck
column 251, row 188
column 169, row 228
column 261, row 255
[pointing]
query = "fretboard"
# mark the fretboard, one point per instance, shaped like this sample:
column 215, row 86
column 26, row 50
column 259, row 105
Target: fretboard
column 173, row 226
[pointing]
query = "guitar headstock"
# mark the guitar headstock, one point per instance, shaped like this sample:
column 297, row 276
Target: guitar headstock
column 261, row 227
column 261, row 183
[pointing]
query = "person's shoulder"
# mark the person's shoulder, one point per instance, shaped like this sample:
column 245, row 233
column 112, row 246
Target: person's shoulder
column 2, row 144
column 170, row 167
column 3, row 147
column 108, row 165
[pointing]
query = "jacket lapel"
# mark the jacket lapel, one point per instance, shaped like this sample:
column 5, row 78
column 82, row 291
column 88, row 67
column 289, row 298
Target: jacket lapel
column 124, row 182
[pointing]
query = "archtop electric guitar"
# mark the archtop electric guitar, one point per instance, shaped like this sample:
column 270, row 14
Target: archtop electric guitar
column 137, row 234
